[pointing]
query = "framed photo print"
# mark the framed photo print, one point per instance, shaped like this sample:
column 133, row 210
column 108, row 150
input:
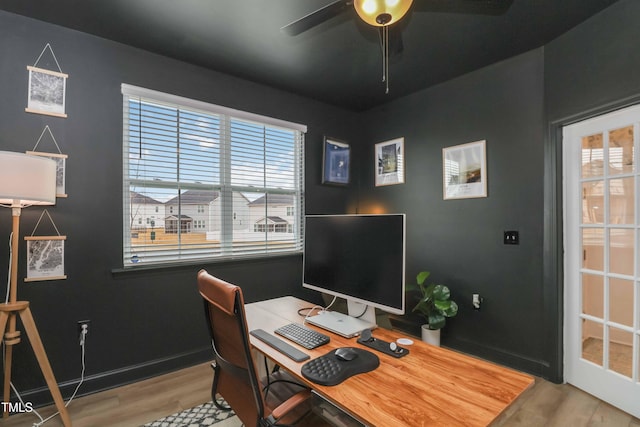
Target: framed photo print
column 45, row 258
column 389, row 162
column 336, row 162
column 464, row 171
column 46, row 92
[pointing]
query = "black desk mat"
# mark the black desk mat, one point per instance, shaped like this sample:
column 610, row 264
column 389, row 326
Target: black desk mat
column 329, row 370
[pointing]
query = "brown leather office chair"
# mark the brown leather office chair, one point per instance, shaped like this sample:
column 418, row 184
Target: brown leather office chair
column 235, row 374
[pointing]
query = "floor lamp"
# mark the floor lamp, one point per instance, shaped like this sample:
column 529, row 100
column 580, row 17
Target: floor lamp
column 25, row 181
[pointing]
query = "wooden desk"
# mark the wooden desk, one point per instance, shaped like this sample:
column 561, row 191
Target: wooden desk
column 431, row 386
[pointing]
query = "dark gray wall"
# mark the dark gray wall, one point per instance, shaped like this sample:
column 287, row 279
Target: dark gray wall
column 518, row 106
column 588, row 71
column 461, row 241
column 595, row 65
column 146, row 322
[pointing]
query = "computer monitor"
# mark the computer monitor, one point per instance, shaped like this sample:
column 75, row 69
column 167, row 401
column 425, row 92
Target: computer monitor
column 357, row 257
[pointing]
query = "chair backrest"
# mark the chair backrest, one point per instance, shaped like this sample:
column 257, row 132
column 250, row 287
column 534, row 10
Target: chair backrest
column 236, row 374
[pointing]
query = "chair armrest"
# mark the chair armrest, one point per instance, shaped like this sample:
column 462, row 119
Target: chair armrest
column 290, row 404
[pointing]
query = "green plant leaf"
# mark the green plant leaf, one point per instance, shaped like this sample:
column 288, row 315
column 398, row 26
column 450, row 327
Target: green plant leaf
column 441, row 292
column 422, row 276
column 435, row 304
column 442, row 306
column 452, row 310
column 427, row 291
column 436, row 321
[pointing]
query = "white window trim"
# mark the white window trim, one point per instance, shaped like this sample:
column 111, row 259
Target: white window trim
column 136, row 91
column 187, row 103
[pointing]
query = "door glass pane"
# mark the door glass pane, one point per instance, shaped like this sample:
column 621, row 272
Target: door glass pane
column 592, row 341
column 593, row 248
column 592, row 156
column 593, row 295
column 620, row 351
column 621, row 201
column 602, row 226
column 621, row 301
column 621, row 250
column 621, row 150
column 593, row 202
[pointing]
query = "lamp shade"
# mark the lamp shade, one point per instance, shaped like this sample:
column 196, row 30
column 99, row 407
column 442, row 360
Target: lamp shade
column 26, row 180
column 381, row 13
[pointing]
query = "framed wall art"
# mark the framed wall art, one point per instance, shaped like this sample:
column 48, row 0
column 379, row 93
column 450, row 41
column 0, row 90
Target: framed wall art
column 336, row 162
column 47, row 89
column 389, row 162
column 464, row 171
column 45, row 254
column 45, row 258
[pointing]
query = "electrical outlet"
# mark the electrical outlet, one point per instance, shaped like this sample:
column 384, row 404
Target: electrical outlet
column 81, row 323
column 511, row 237
column 477, row 300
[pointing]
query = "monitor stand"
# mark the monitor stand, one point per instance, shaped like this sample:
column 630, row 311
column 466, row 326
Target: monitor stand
column 346, row 325
column 357, row 309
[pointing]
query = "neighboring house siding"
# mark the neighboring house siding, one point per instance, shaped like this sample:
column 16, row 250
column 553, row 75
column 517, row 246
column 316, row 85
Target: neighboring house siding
column 240, row 213
column 274, row 209
column 201, row 210
column 144, row 209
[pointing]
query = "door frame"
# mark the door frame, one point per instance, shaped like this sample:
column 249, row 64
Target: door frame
column 553, row 233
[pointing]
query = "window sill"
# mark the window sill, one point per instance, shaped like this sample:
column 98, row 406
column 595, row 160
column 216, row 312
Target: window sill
column 200, row 263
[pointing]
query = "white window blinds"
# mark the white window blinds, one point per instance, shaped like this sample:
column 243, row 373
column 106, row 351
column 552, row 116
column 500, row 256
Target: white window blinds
column 203, row 181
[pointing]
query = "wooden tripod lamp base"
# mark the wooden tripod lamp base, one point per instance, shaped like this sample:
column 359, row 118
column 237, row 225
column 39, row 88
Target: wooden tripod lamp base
column 21, row 308
column 25, row 181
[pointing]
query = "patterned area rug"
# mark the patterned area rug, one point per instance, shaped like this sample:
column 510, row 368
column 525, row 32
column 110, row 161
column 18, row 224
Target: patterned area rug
column 206, row 414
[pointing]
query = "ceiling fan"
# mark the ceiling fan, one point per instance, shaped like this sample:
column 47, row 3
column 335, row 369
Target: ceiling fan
column 383, row 14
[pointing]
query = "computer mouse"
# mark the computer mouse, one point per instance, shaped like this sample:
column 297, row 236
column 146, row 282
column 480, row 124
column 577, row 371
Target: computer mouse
column 346, row 354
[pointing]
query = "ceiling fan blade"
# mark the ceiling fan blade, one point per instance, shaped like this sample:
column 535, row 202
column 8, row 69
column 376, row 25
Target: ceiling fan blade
column 316, row 18
column 478, row 7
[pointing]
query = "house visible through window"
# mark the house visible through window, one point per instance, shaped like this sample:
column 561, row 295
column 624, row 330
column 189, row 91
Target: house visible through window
column 220, row 183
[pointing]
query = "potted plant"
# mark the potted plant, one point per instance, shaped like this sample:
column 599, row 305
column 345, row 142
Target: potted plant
column 435, row 305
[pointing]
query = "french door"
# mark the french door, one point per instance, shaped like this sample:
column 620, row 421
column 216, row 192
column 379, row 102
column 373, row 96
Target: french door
column 602, row 257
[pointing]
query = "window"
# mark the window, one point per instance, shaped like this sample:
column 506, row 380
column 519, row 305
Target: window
column 225, row 183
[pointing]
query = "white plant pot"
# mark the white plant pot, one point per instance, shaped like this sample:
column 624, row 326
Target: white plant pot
column 431, row 336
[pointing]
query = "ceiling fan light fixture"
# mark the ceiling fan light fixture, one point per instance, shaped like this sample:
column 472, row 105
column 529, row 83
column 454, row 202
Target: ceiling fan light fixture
column 381, row 13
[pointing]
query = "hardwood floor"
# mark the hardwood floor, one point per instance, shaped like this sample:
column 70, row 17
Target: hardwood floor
column 562, row 405
column 132, row 405
column 545, row 404
column 620, row 355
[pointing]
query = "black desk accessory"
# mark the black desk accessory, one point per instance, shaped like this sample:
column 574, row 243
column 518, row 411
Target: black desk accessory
column 283, row 347
column 390, row 348
column 329, row 369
